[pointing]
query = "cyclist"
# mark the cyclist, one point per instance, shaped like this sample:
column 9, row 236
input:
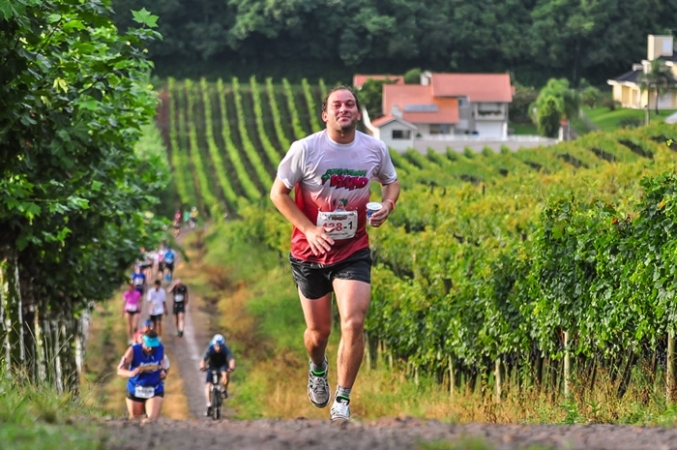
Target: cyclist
column 193, row 217
column 179, row 293
column 177, row 223
column 156, row 306
column 217, row 356
column 146, row 366
column 139, row 279
column 131, row 309
column 168, row 260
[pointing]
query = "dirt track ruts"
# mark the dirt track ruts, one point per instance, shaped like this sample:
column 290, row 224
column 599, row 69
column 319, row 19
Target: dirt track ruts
column 384, row 434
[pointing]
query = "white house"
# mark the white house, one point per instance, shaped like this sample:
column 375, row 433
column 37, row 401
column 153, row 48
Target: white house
column 397, row 133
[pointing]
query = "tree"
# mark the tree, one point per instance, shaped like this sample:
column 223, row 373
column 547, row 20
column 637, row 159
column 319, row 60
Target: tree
column 371, row 97
column 74, row 96
column 659, row 80
column 412, row 76
column 555, row 99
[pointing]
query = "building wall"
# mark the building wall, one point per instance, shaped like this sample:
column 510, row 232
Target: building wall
column 386, row 132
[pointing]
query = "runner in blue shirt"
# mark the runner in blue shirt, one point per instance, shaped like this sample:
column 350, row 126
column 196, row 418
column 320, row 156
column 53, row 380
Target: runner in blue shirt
column 169, row 260
column 146, row 366
column 139, row 280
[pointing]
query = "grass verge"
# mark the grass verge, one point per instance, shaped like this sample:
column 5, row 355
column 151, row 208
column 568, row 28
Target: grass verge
column 37, row 418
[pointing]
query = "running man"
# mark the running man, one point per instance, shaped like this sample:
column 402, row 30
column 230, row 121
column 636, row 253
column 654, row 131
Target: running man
column 217, row 356
column 157, row 298
column 330, row 172
column 168, row 263
column 179, row 293
column 131, row 310
column 146, row 366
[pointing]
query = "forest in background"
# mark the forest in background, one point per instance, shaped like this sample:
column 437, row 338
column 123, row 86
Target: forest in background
column 333, row 39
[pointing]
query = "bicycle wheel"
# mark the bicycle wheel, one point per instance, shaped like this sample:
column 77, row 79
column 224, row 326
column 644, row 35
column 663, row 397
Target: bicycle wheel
column 214, row 400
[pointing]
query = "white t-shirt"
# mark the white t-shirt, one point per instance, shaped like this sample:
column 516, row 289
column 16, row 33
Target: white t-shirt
column 328, row 177
column 157, row 300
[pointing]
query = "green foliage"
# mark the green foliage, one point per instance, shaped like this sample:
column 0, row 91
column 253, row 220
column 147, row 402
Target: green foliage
column 547, row 116
column 35, row 417
column 536, row 40
column 371, row 97
column 590, row 96
column 412, row 76
column 523, row 98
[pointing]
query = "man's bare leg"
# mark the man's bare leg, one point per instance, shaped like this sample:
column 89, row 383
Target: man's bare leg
column 352, row 298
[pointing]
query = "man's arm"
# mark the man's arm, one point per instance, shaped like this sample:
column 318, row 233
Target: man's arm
column 390, row 193
column 318, row 240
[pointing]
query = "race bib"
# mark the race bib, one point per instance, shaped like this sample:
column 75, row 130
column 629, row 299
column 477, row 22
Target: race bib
column 169, row 259
column 338, row 224
column 138, row 281
column 144, row 392
column 131, row 308
column 178, row 298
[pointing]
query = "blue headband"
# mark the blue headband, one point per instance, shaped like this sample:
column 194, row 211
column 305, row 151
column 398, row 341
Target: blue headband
column 151, row 341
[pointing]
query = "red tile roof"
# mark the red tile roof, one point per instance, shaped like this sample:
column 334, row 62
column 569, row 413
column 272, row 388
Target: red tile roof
column 387, row 119
column 359, row 80
column 382, row 120
column 414, row 96
column 478, row 87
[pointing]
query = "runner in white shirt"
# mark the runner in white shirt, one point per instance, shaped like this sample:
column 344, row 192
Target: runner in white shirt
column 330, row 172
column 156, row 306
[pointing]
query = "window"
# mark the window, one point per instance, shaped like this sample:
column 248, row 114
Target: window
column 462, row 102
column 401, row 134
column 439, row 128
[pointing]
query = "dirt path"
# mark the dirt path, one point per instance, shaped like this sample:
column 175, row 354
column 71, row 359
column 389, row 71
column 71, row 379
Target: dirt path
column 383, row 435
column 187, row 350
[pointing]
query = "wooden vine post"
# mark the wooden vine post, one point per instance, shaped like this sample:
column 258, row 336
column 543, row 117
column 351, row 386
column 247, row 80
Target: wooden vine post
column 670, row 370
column 567, row 365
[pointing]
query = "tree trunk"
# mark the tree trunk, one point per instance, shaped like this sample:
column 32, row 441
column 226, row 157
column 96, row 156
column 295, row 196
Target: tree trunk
column 12, row 311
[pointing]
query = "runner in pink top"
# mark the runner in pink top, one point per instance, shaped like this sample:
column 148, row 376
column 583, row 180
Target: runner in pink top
column 131, row 309
column 330, row 173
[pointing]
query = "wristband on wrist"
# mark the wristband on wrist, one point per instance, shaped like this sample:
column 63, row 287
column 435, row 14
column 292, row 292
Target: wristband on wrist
column 392, row 202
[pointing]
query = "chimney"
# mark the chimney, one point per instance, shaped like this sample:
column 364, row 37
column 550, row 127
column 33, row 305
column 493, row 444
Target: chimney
column 395, row 111
column 658, row 45
column 426, row 77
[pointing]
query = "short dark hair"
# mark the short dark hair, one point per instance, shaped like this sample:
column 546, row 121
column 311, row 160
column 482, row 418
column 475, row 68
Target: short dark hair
column 340, row 88
column 158, row 282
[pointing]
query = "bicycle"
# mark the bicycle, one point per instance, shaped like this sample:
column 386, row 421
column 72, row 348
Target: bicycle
column 216, row 394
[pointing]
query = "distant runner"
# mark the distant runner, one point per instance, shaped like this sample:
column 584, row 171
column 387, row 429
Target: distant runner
column 146, row 366
column 139, row 280
column 131, row 309
column 138, row 334
column 177, row 222
column 330, row 173
column 217, row 356
column 193, row 217
column 156, row 306
column 168, row 260
column 179, row 293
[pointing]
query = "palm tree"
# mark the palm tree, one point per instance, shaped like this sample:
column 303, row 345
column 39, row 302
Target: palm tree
column 659, row 79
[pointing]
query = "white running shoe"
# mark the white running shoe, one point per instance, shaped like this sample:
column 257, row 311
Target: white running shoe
column 340, row 411
column 318, row 388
